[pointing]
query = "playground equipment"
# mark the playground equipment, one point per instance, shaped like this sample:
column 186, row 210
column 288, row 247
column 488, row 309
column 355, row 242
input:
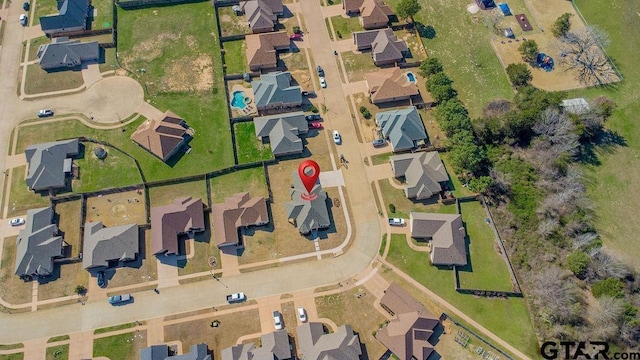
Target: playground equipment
column 545, row 62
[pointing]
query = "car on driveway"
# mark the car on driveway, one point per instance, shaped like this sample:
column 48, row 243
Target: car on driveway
column 17, row 222
column 23, row 19
column 277, row 320
column 320, row 71
column 313, row 117
column 26, row 6
column 396, row 221
column 44, row 113
column 336, row 137
column 323, row 83
column 315, row 125
column 302, row 315
column 379, row 143
column 295, row 37
column 102, row 281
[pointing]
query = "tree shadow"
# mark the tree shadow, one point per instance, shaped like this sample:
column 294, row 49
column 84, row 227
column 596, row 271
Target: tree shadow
column 606, row 142
column 425, row 31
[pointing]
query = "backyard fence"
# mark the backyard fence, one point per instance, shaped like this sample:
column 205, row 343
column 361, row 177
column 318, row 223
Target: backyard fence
column 232, row 37
column 446, row 316
column 137, row 4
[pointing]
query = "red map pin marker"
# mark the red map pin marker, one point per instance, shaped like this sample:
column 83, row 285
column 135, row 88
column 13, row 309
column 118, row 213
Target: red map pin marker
column 309, row 171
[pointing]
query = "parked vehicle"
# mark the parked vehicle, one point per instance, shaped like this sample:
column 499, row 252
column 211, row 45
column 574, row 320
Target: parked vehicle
column 308, row 93
column 102, row 282
column 379, row 143
column 396, row 221
column 302, row 314
column 26, row 6
column 236, row 298
column 319, row 70
column 336, row 137
column 313, row 117
column 23, row 19
column 120, row 299
column 315, row 125
column 17, row 222
column 277, row 320
column 295, row 37
column 323, row 83
column 44, row 113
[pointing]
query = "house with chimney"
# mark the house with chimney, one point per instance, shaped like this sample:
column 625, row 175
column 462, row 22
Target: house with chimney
column 50, row 164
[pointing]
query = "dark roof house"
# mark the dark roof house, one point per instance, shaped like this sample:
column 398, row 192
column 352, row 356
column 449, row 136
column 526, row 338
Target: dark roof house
column 63, row 53
column 423, row 173
column 104, row 246
column 185, row 215
column 239, row 210
column 72, row 16
column 447, row 235
column 161, row 352
column 403, row 128
column 314, row 344
column 373, row 13
column 49, row 163
column 163, row 138
column 407, row 334
column 307, row 215
column 262, row 15
column 38, row 244
column 282, row 131
column 262, row 49
column 390, row 84
column 275, row 91
column 274, row 346
column 384, row 45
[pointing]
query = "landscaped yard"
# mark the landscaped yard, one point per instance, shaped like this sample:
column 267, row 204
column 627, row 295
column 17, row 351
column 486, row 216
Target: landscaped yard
column 103, row 14
column 251, row 180
column 357, row 65
column 235, row 59
column 58, row 352
column 345, row 26
column 164, row 195
column 123, row 346
column 13, row 289
column 39, row 81
column 20, row 197
column 508, row 319
column 116, row 170
column 249, row 147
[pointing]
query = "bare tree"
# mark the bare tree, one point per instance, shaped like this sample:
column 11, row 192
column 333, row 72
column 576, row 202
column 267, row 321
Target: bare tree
column 603, row 266
column 559, row 129
column 548, row 226
column 583, row 51
column 583, row 240
column 605, row 317
column 557, row 295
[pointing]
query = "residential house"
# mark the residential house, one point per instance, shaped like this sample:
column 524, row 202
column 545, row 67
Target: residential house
column 577, row 106
column 262, row 15
column 63, row 53
column 274, row 346
column 314, row 344
column 385, row 47
column 237, row 211
column 105, row 247
column 283, row 132
column 390, row 84
column 446, row 233
column 184, row 216
column 374, row 14
column 423, row 173
column 72, row 16
column 38, row 244
column 407, row 334
column 307, row 215
column 162, row 352
column 49, row 163
column 262, row 49
column 165, row 137
column 403, row 128
column 275, row 91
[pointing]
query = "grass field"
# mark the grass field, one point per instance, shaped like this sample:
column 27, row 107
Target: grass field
column 44, row 8
column 165, row 195
column 58, row 352
column 508, row 319
column 123, row 346
column 39, row 81
column 249, row 148
column 116, row 170
column 18, row 356
column 235, row 59
column 13, row 289
column 344, row 27
column 205, row 247
column 21, row 198
column 251, row 180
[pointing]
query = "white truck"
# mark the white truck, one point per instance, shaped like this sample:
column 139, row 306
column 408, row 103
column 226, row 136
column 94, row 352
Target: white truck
column 236, row 298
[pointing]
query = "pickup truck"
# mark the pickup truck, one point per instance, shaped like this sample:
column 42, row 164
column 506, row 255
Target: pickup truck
column 396, row 221
column 236, row 298
column 119, row 299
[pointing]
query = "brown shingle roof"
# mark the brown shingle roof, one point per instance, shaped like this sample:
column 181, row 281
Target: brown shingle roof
column 261, row 49
column 169, row 221
column 237, row 211
column 351, row 6
column 447, row 234
column 374, row 13
column 390, row 84
column 163, row 137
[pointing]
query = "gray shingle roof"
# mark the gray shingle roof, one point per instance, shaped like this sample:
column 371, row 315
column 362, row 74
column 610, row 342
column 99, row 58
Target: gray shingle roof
column 275, row 345
column 307, row 215
column 65, row 53
column 340, row 345
column 275, row 89
column 423, row 173
column 46, row 163
column 238, row 352
column 447, row 234
column 37, row 244
column 161, row 352
column 385, row 46
column 403, row 128
column 102, row 244
column 282, row 131
column 71, row 14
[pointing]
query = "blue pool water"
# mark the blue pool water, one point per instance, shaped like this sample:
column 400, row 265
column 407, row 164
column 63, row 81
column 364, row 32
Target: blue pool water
column 238, row 100
column 411, row 77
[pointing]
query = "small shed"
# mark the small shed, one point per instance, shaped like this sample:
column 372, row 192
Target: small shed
column 237, row 10
column 576, row 106
column 100, row 153
column 508, row 32
column 504, row 8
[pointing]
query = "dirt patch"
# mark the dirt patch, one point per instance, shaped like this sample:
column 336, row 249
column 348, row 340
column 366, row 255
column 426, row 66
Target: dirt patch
column 151, row 49
column 189, row 74
column 117, row 209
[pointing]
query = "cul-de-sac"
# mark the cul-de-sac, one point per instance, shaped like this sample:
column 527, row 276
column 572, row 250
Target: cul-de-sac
column 319, row 179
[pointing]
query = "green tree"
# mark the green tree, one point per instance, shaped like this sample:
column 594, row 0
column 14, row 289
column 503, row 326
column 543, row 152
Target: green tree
column 480, row 184
column 562, row 25
column 430, row 67
column 436, row 79
column 578, row 262
column 407, row 8
column 608, row 287
column 81, row 290
column 529, row 50
column 365, row 112
column 519, row 74
column 442, row 93
column 466, row 155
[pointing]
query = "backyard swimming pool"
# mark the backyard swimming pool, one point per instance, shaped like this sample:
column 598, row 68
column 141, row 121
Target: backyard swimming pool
column 239, row 100
column 411, row 77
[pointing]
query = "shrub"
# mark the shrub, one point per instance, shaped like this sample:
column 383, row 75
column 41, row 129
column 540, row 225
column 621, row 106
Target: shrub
column 578, row 262
column 313, row 109
column 339, row 34
column 480, row 184
column 392, row 208
column 529, row 50
column 519, row 74
column 608, row 287
column 296, row 30
column 562, row 25
column 365, row 112
column 430, row 67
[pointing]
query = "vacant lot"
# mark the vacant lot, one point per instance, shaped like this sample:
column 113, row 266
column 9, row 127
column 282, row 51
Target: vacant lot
column 20, row 197
column 117, row 209
column 124, row 346
column 13, row 289
column 235, row 59
column 165, row 195
column 116, row 170
column 39, row 81
column 251, row 180
column 69, row 224
column 248, row 146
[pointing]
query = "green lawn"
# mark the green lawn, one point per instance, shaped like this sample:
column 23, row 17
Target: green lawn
column 344, row 27
column 39, row 81
column 58, row 338
column 110, row 62
column 115, row 170
column 235, row 58
column 357, row 65
column 18, row 356
column 43, row 8
column 164, row 195
column 487, row 270
column 58, row 352
column 249, row 148
column 35, row 44
column 114, row 328
column 404, row 206
column 104, row 14
column 251, row 180
column 508, row 319
column 118, row 346
column 21, row 198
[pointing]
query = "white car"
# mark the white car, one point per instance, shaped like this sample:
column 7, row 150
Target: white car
column 323, row 83
column 277, row 320
column 396, row 221
column 302, row 315
column 336, row 137
column 44, row 113
column 23, row 19
column 17, row 222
